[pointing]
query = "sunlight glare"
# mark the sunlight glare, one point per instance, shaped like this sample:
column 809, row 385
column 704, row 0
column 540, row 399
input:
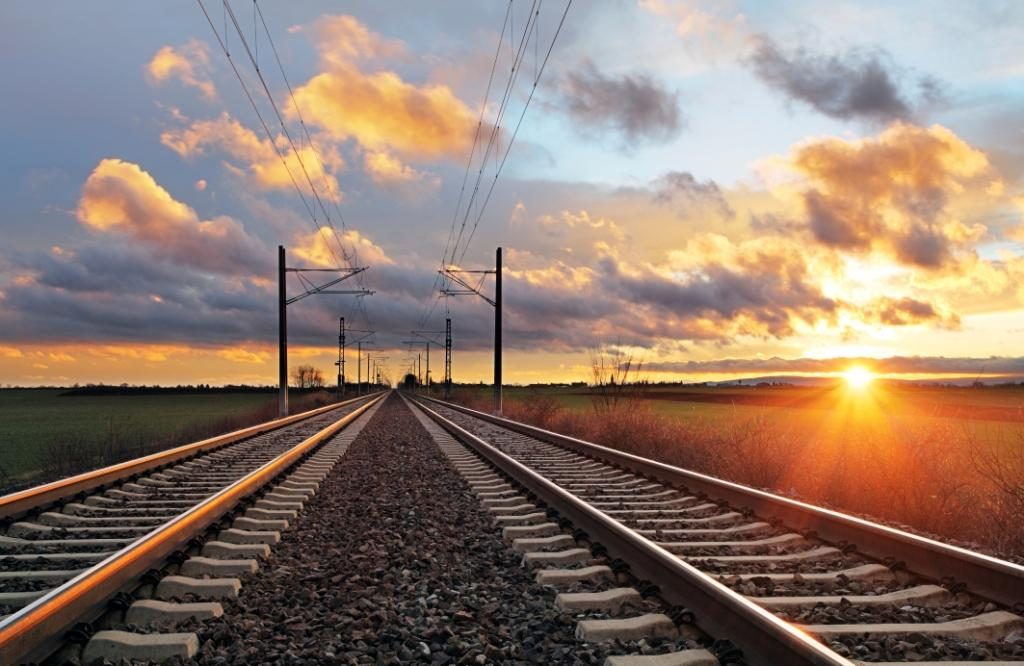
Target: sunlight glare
column 858, row 377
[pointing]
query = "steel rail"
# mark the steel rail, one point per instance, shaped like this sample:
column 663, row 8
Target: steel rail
column 984, row 576
column 765, row 639
column 21, row 502
column 31, row 633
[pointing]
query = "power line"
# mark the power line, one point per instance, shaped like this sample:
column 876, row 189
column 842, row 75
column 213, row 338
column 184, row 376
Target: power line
column 277, row 113
column 469, row 162
column 519, row 124
column 350, row 260
column 259, row 115
column 305, row 131
column 309, row 139
column 496, row 126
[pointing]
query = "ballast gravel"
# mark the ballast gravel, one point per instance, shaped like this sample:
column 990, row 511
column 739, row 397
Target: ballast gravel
column 396, row 561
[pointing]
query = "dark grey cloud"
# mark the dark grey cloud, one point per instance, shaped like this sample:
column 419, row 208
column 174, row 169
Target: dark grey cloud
column 636, row 106
column 683, row 190
column 857, row 84
column 763, row 296
column 907, row 311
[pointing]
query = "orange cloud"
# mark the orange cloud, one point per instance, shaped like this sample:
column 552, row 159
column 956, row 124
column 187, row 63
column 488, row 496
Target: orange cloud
column 320, row 248
column 238, row 355
column 260, row 156
column 10, row 352
column 386, row 169
column 120, row 197
column 189, row 64
column 343, row 39
column 891, row 192
column 379, row 110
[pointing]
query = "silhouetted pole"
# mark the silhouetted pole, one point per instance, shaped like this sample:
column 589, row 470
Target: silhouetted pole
column 341, row 355
column 419, row 369
column 359, row 367
column 497, row 332
column 428, row 367
column 282, row 335
column 448, row 358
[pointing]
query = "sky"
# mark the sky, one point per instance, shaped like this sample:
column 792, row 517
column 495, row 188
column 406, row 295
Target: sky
column 715, row 189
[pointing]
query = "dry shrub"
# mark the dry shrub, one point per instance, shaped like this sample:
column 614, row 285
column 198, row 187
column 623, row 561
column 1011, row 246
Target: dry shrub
column 934, row 476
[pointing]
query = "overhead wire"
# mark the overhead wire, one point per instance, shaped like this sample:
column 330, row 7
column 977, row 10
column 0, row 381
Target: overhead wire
column 495, row 127
column 519, row 124
column 353, row 258
column 532, row 26
column 280, row 118
column 350, row 260
column 469, row 162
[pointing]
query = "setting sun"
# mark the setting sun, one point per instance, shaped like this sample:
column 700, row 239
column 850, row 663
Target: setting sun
column 858, row 377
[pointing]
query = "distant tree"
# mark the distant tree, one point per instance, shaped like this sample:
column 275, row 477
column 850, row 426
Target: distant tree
column 307, row 377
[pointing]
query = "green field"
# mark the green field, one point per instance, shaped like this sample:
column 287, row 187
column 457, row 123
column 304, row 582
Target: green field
column 32, row 419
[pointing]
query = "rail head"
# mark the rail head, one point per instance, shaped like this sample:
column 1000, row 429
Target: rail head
column 31, row 633
column 17, row 504
column 765, row 639
column 986, row 576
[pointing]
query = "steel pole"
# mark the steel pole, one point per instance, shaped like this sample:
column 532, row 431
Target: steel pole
column 359, row 368
column 282, row 335
column 497, row 332
column 428, row 368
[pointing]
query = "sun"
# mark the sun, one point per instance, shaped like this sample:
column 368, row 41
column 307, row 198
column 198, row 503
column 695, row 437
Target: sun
column 858, row 377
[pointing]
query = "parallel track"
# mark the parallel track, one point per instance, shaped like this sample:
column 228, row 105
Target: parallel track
column 71, row 546
column 745, row 561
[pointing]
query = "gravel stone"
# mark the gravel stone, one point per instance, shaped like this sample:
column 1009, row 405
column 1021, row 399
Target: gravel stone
column 396, row 561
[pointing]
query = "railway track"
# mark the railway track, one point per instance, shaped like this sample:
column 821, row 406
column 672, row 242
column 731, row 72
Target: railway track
column 782, row 581
column 100, row 545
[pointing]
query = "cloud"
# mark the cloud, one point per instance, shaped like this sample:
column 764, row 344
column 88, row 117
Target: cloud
column 386, row 169
column 709, row 30
column 200, row 185
column 379, row 110
column 188, row 63
column 240, row 355
column 633, row 105
column 344, row 39
column 858, row 84
column 121, row 198
column 937, row 365
column 321, row 248
column 260, row 156
column 683, row 190
column 907, row 311
column 716, row 289
column 890, row 193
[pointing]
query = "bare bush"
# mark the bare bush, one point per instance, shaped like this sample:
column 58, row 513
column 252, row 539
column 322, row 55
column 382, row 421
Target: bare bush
column 307, row 377
column 939, row 477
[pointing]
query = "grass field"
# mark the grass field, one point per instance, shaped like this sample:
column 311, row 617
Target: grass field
column 32, row 420
column 946, row 461
column 818, row 410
